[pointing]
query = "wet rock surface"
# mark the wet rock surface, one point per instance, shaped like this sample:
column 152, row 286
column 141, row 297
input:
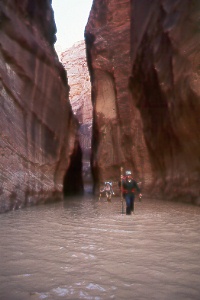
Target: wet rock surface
column 37, row 128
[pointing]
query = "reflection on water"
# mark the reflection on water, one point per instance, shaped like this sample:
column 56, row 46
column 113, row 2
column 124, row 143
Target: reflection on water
column 86, row 249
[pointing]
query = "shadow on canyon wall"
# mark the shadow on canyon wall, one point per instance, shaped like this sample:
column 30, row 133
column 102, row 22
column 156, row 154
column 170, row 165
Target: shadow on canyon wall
column 73, row 180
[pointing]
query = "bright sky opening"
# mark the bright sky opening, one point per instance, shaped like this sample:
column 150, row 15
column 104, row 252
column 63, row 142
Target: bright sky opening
column 71, row 18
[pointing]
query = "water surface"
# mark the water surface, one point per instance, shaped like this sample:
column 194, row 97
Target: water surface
column 83, row 248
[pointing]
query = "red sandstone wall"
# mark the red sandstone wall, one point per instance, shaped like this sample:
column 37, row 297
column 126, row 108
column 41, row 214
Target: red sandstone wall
column 144, row 62
column 37, row 130
column 75, row 64
column 165, row 83
column 74, row 61
column 118, row 136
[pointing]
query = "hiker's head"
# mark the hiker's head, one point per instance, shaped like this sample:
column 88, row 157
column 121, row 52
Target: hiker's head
column 128, row 174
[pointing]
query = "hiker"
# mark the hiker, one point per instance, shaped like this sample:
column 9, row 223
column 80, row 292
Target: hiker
column 107, row 189
column 129, row 187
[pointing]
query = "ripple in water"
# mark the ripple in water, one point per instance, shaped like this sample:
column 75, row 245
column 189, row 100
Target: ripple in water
column 83, row 248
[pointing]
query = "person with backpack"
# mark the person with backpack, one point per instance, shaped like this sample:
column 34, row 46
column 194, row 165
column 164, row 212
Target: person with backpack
column 107, row 189
column 129, row 188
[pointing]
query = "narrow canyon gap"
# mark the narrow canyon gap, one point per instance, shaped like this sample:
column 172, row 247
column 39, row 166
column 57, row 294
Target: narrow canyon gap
column 75, row 64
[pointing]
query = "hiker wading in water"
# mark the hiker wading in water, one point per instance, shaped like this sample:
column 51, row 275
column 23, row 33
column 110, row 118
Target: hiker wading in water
column 107, row 190
column 129, row 187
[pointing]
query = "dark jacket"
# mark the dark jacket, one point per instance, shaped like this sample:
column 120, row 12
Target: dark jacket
column 129, row 187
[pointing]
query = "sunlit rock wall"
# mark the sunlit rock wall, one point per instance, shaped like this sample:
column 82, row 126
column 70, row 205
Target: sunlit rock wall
column 117, row 137
column 37, row 130
column 74, row 62
column 165, row 48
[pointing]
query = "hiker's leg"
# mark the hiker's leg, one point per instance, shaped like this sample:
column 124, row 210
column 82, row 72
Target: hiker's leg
column 128, row 205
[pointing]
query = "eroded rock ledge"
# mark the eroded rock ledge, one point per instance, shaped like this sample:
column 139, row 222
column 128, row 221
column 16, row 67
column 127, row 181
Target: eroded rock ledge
column 37, row 128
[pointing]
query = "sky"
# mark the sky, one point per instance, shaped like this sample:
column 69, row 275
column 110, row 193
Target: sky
column 71, row 18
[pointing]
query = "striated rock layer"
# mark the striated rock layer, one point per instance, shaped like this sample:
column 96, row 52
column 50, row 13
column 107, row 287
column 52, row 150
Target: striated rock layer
column 165, row 82
column 37, row 128
column 74, row 62
column 144, row 63
column 117, row 134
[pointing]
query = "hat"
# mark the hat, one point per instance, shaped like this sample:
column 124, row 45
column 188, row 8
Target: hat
column 128, row 172
column 107, row 182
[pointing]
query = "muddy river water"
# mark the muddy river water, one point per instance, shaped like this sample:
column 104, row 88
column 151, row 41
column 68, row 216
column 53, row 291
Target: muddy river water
column 83, row 248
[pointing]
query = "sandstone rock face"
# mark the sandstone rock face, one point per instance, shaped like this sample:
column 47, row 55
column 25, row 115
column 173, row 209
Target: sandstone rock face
column 118, row 139
column 165, row 83
column 37, row 128
column 75, row 64
column 144, row 63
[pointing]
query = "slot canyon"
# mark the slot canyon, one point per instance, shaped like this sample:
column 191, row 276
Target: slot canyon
column 143, row 60
column 125, row 98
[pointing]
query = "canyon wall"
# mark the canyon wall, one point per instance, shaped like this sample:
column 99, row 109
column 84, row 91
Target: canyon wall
column 165, row 84
column 37, row 128
column 143, row 57
column 118, row 139
column 75, row 64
